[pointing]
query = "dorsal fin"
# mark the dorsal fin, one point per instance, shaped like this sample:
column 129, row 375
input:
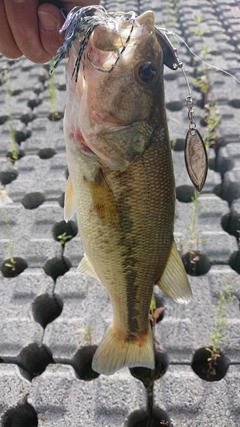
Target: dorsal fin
column 86, row 267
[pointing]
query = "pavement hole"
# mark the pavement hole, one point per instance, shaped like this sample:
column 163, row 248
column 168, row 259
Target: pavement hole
column 33, row 200
column 34, row 101
column 234, row 261
column 178, row 144
column 159, row 418
column 62, row 86
column 148, row 376
column 12, row 267
column 196, row 263
column 23, row 415
column 55, row 116
column 64, row 231
column 46, row 308
column 8, row 176
column 184, row 193
column 235, row 103
column 3, row 118
column 174, row 106
column 61, row 200
column 231, row 224
column 21, row 135
column 46, row 153
column 82, row 363
column 56, row 267
column 34, row 359
column 208, row 367
column 170, row 76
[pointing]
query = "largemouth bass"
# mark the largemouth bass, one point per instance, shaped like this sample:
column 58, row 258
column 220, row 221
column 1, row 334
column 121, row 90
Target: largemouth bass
column 121, row 181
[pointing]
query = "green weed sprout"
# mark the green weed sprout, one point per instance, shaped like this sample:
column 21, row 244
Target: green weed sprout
column 4, row 200
column 52, row 87
column 193, row 217
column 193, row 228
column 225, row 299
column 194, row 240
column 88, row 334
column 64, row 237
column 9, row 92
column 154, row 311
column 199, row 31
column 204, row 83
column 213, row 119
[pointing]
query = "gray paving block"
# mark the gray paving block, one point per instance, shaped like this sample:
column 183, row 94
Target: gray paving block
column 184, row 329
column 15, row 229
column 74, row 251
column 14, row 387
column 61, row 399
column 218, row 247
column 40, row 127
column 231, row 188
column 81, row 297
column 44, row 109
column 19, row 328
column 228, row 158
column 209, row 238
column 39, row 251
column 21, row 131
column 233, row 225
column 46, row 176
column 192, row 402
column 40, row 245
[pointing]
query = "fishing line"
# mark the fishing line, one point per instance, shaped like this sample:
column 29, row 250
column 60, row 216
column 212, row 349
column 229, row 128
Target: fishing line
column 166, row 32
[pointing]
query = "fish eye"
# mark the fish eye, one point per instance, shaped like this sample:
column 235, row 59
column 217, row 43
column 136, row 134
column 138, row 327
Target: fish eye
column 147, row 72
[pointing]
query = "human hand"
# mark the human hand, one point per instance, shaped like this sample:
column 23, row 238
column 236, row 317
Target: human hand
column 31, row 27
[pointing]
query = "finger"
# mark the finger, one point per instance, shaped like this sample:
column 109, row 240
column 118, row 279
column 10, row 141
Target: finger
column 49, row 17
column 50, row 23
column 8, row 46
column 23, row 19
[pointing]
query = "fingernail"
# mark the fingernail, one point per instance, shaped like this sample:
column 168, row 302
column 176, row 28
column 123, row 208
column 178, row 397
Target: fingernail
column 47, row 21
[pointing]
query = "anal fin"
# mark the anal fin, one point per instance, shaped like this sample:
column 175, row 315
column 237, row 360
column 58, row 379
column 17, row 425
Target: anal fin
column 174, row 281
column 86, row 267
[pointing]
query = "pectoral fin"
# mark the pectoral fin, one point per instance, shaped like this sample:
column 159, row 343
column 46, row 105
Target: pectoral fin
column 104, row 203
column 69, row 209
column 86, row 267
column 174, row 281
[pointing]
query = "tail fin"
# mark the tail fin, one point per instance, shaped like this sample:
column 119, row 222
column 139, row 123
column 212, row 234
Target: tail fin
column 115, row 352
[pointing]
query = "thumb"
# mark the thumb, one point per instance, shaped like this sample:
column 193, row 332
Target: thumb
column 50, row 23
